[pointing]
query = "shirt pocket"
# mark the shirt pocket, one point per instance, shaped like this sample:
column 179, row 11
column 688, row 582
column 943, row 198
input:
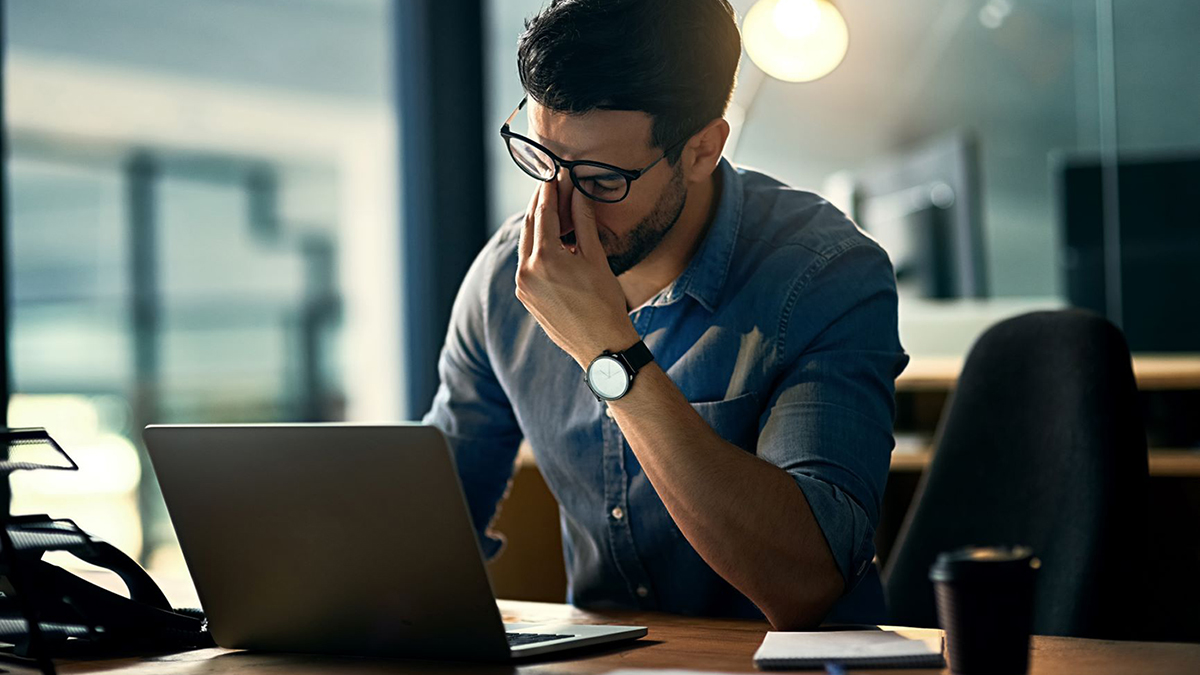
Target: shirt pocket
column 734, row 419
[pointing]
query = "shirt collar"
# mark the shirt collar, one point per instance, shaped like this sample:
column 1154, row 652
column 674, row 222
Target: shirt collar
column 705, row 274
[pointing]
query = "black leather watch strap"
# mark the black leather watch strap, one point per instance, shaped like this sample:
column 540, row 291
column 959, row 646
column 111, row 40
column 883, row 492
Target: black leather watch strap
column 637, row 356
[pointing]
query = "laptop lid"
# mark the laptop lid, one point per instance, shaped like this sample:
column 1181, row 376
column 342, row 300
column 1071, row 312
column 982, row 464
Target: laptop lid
column 336, row 539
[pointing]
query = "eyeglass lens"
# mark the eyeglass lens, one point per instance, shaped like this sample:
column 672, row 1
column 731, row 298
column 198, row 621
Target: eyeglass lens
column 597, row 182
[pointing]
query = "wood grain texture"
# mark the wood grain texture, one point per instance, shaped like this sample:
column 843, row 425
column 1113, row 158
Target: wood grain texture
column 1153, row 372
column 1167, row 462
column 673, row 642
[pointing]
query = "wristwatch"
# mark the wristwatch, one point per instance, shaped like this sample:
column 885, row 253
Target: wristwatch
column 610, row 375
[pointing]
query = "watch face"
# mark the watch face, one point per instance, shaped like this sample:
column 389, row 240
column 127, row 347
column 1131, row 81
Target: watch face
column 607, row 378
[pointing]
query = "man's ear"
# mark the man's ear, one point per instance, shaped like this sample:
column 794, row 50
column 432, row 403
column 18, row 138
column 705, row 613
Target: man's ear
column 703, row 152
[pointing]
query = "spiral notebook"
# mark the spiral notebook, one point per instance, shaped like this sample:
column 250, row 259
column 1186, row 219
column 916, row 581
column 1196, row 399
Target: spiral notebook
column 852, row 648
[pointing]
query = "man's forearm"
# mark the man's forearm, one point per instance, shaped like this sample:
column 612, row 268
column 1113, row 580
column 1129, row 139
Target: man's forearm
column 745, row 516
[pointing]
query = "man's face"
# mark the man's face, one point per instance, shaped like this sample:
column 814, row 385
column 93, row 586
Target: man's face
column 631, row 228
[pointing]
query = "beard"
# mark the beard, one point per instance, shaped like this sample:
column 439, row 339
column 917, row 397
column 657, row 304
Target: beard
column 625, row 252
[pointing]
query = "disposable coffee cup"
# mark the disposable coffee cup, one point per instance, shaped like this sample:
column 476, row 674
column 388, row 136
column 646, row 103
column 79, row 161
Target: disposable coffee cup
column 985, row 606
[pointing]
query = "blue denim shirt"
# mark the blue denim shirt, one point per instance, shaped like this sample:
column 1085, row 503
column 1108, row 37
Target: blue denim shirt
column 781, row 331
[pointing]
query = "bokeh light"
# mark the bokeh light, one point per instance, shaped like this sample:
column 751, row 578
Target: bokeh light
column 795, row 40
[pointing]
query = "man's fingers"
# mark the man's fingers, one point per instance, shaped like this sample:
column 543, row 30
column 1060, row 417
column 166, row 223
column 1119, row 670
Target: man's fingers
column 545, row 218
column 583, row 215
column 527, row 235
column 563, row 189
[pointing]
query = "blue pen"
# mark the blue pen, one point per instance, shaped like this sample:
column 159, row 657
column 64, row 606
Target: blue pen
column 832, row 668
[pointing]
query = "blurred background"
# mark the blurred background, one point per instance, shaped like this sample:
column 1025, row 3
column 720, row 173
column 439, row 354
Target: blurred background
column 259, row 210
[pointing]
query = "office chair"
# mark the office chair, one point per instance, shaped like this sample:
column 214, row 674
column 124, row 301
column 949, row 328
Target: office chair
column 1041, row 444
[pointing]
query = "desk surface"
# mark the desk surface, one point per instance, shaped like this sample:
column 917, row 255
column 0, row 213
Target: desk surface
column 673, row 642
column 1153, row 372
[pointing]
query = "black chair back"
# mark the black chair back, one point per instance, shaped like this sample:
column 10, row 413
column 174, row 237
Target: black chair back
column 1041, row 444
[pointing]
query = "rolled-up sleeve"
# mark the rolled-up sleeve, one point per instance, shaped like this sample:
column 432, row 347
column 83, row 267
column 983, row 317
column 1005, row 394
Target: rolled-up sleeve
column 829, row 418
column 470, row 407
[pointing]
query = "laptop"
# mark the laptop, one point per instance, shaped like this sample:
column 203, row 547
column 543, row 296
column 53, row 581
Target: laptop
column 339, row 539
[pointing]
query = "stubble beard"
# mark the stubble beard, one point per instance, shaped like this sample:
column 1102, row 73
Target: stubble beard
column 641, row 241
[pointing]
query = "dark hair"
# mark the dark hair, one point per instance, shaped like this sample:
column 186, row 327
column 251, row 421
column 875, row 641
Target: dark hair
column 673, row 59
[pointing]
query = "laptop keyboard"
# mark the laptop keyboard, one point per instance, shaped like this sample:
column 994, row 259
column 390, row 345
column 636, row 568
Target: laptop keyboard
column 522, row 639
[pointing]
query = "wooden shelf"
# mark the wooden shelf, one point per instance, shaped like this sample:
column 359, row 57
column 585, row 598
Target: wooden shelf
column 1166, row 462
column 1154, row 372
column 913, row 457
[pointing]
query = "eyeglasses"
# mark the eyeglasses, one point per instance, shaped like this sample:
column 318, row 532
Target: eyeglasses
column 596, row 180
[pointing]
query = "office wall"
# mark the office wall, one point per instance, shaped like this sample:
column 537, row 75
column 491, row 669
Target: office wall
column 1157, row 76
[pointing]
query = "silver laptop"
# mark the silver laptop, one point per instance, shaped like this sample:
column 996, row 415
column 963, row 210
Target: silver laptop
column 339, row 539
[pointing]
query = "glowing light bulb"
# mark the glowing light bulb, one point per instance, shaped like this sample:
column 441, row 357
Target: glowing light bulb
column 795, row 40
column 797, row 19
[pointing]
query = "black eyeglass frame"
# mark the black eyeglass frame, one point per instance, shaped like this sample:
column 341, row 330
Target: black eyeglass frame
column 629, row 175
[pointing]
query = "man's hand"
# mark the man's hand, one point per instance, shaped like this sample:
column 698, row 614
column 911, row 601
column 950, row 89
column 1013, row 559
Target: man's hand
column 571, row 291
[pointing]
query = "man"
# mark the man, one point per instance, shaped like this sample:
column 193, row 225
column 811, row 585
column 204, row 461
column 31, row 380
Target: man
column 736, row 466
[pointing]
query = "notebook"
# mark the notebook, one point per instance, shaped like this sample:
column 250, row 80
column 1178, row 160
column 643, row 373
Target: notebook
column 854, row 648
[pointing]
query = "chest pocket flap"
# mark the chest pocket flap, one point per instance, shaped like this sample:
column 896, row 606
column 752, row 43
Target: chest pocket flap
column 734, row 419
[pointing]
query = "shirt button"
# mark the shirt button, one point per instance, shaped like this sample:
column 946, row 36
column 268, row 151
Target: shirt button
column 642, row 591
column 608, row 411
column 618, row 513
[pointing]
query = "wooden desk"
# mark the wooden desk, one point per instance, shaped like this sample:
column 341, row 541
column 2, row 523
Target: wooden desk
column 673, row 642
